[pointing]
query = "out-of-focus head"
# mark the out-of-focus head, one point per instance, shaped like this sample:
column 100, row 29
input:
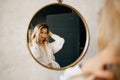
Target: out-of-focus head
column 109, row 24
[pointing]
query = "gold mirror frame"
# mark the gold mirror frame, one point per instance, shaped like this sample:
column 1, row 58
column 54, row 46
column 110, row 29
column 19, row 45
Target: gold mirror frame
column 86, row 43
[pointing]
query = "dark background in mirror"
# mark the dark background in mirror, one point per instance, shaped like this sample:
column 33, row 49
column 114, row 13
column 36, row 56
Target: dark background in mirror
column 64, row 22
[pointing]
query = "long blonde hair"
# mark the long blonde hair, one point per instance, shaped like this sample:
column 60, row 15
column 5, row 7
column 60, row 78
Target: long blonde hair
column 108, row 32
column 109, row 25
column 37, row 30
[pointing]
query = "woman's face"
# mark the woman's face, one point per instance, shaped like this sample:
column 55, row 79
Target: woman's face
column 43, row 34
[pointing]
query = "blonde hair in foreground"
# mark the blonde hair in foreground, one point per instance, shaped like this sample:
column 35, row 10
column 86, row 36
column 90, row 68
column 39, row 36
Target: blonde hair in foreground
column 109, row 25
column 108, row 34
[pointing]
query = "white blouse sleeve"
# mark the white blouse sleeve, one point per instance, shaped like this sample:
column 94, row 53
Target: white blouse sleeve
column 57, row 44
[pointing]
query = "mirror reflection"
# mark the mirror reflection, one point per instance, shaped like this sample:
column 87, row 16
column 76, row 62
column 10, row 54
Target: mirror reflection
column 42, row 49
column 57, row 36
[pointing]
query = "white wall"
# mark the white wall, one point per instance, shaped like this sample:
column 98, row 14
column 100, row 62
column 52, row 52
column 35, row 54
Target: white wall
column 15, row 61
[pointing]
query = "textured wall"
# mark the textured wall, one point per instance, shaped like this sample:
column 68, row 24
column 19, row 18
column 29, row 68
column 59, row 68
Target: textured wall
column 15, row 61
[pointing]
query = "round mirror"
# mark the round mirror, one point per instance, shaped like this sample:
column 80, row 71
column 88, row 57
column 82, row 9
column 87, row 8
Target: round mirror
column 57, row 36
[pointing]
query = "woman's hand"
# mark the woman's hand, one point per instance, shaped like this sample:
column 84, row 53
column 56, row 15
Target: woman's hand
column 50, row 65
column 50, row 33
column 96, row 64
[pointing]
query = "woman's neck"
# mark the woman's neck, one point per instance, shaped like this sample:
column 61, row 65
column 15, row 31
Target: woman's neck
column 41, row 42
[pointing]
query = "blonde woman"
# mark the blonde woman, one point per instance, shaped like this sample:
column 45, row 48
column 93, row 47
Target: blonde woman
column 41, row 49
column 106, row 64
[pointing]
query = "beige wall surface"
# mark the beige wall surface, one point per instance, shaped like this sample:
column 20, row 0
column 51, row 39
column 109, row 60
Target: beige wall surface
column 15, row 61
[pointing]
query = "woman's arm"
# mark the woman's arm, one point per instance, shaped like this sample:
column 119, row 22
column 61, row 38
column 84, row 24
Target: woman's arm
column 97, row 64
column 58, row 43
column 94, row 68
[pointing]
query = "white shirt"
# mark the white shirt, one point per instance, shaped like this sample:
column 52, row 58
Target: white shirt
column 52, row 48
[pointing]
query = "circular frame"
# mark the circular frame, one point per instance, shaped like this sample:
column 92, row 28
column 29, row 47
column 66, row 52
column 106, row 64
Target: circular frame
column 86, row 42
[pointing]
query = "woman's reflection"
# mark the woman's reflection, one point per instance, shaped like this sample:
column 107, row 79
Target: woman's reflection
column 42, row 49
